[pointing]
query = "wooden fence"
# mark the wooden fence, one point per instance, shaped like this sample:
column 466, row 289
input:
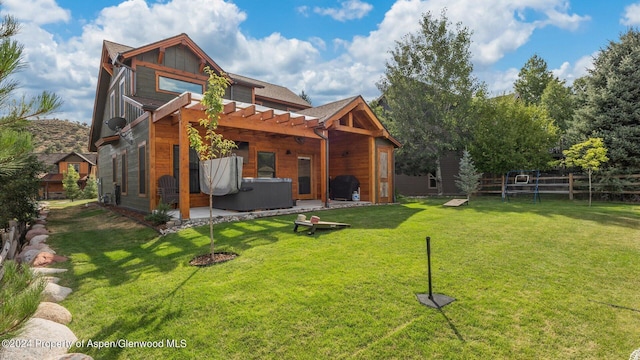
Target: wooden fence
column 570, row 185
column 10, row 241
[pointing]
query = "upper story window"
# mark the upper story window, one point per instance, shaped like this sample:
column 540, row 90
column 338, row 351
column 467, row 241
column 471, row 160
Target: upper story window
column 174, row 85
column 121, row 90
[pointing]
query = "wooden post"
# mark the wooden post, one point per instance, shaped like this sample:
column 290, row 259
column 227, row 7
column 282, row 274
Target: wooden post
column 183, row 164
column 151, row 165
column 324, row 185
column 570, row 186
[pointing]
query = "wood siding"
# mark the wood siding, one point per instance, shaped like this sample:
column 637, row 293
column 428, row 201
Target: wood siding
column 349, row 155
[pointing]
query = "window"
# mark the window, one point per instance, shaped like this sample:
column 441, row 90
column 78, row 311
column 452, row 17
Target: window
column 123, row 186
column 242, row 150
column 433, row 182
column 266, row 164
column 114, row 169
column 194, row 169
column 121, row 97
column 142, row 169
column 76, row 167
column 178, row 86
column 112, row 104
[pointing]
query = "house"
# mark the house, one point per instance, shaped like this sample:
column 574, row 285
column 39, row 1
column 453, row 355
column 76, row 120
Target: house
column 146, row 97
column 56, row 165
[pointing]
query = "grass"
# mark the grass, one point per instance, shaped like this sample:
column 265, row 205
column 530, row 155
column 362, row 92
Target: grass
column 556, row 280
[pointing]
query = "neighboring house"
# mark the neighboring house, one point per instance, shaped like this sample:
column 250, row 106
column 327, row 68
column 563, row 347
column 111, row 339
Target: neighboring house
column 56, row 166
column 146, row 96
column 424, row 185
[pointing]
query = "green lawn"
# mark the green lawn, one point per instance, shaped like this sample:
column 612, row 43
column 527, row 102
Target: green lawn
column 554, row 280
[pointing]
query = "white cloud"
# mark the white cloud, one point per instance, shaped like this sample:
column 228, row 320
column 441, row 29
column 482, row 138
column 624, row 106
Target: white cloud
column 348, row 10
column 631, row 15
column 38, row 12
column 70, row 67
column 570, row 73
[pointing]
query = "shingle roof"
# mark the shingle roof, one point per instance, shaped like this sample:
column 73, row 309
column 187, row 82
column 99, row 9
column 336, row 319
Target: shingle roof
column 272, row 91
column 326, row 111
column 114, row 48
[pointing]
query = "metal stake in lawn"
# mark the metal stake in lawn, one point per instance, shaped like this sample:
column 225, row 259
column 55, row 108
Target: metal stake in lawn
column 433, row 300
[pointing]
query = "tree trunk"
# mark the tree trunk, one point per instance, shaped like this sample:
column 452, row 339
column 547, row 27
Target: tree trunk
column 439, row 176
column 589, row 187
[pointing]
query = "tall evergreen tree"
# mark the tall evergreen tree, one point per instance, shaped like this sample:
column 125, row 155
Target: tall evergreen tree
column 611, row 105
column 70, row 183
column 468, row 178
column 16, row 149
column 533, row 78
column 428, row 87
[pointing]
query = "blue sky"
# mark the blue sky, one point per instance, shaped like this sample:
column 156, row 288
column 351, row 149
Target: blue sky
column 331, row 49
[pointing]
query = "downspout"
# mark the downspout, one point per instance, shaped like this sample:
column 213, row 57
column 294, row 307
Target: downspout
column 326, row 154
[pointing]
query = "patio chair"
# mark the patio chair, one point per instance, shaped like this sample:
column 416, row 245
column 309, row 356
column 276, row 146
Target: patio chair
column 168, row 190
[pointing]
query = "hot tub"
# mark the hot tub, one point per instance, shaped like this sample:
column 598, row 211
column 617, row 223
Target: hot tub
column 258, row 194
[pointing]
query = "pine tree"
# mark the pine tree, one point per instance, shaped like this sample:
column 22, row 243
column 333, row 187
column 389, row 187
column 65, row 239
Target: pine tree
column 90, row 190
column 468, row 178
column 70, row 183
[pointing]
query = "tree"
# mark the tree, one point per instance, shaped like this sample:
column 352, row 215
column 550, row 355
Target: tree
column 610, row 108
column 19, row 193
column 558, row 100
column 305, row 97
column 212, row 145
column 90, row 190
column 588, row 156
column 509, row 135
column 533, row 78
column 428, row 88
column 468, row 178
column 18, row 181
column 70, row 183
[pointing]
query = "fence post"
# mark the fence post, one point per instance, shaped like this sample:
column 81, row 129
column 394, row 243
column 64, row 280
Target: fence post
column 570, row 186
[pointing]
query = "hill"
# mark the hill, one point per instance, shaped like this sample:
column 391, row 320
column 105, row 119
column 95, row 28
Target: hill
column 59, row 136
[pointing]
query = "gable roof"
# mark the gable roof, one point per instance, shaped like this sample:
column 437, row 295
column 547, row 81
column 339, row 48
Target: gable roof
column 272, row 91
column 327, row 111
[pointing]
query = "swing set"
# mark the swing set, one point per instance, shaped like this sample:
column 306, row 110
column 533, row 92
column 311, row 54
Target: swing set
column 521, row 182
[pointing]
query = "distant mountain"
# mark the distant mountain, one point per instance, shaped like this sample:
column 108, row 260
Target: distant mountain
column 59, row 136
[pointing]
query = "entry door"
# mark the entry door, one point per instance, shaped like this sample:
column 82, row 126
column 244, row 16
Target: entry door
column 305, row 184
column 384, row 176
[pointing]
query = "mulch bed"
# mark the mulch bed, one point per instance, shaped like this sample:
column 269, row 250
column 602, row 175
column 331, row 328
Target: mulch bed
column 218, row 258
column 134, row 215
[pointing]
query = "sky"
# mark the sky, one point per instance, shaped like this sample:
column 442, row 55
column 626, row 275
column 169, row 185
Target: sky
column 330, row 49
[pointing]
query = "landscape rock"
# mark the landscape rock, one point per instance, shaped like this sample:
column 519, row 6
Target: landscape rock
column 34, row 232
column 38, row 239
column 38, row 226
column 73, row 356
column 54, row 312
column 40, row 221
column 51, row 279
column 26, row 257
column 55, row 293
column 47, row 339
column 40, row 246
column 46, row 271
column 45, row 258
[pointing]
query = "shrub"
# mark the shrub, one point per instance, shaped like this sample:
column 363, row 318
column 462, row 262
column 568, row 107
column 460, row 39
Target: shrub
column 159, row 215
column 20, row 294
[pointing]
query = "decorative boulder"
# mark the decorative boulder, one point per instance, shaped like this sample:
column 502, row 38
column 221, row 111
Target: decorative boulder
column 54, row 312
column 55, row 293
column 45, row 258
column 38, row 226
column 40, row 246
column 49, row 339
column 26, row 257
column 73, row 356
column 47, row 271
column 33, row 232
column 38, row 239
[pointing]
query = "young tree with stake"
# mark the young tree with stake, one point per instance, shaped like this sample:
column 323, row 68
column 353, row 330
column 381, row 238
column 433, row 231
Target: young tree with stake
column 212, row 145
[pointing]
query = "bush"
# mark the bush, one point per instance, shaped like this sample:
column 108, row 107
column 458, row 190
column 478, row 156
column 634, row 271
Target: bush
column 21, row 292
column 159, row 215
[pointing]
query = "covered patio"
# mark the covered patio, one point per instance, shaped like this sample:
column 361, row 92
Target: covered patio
column 301, row 206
